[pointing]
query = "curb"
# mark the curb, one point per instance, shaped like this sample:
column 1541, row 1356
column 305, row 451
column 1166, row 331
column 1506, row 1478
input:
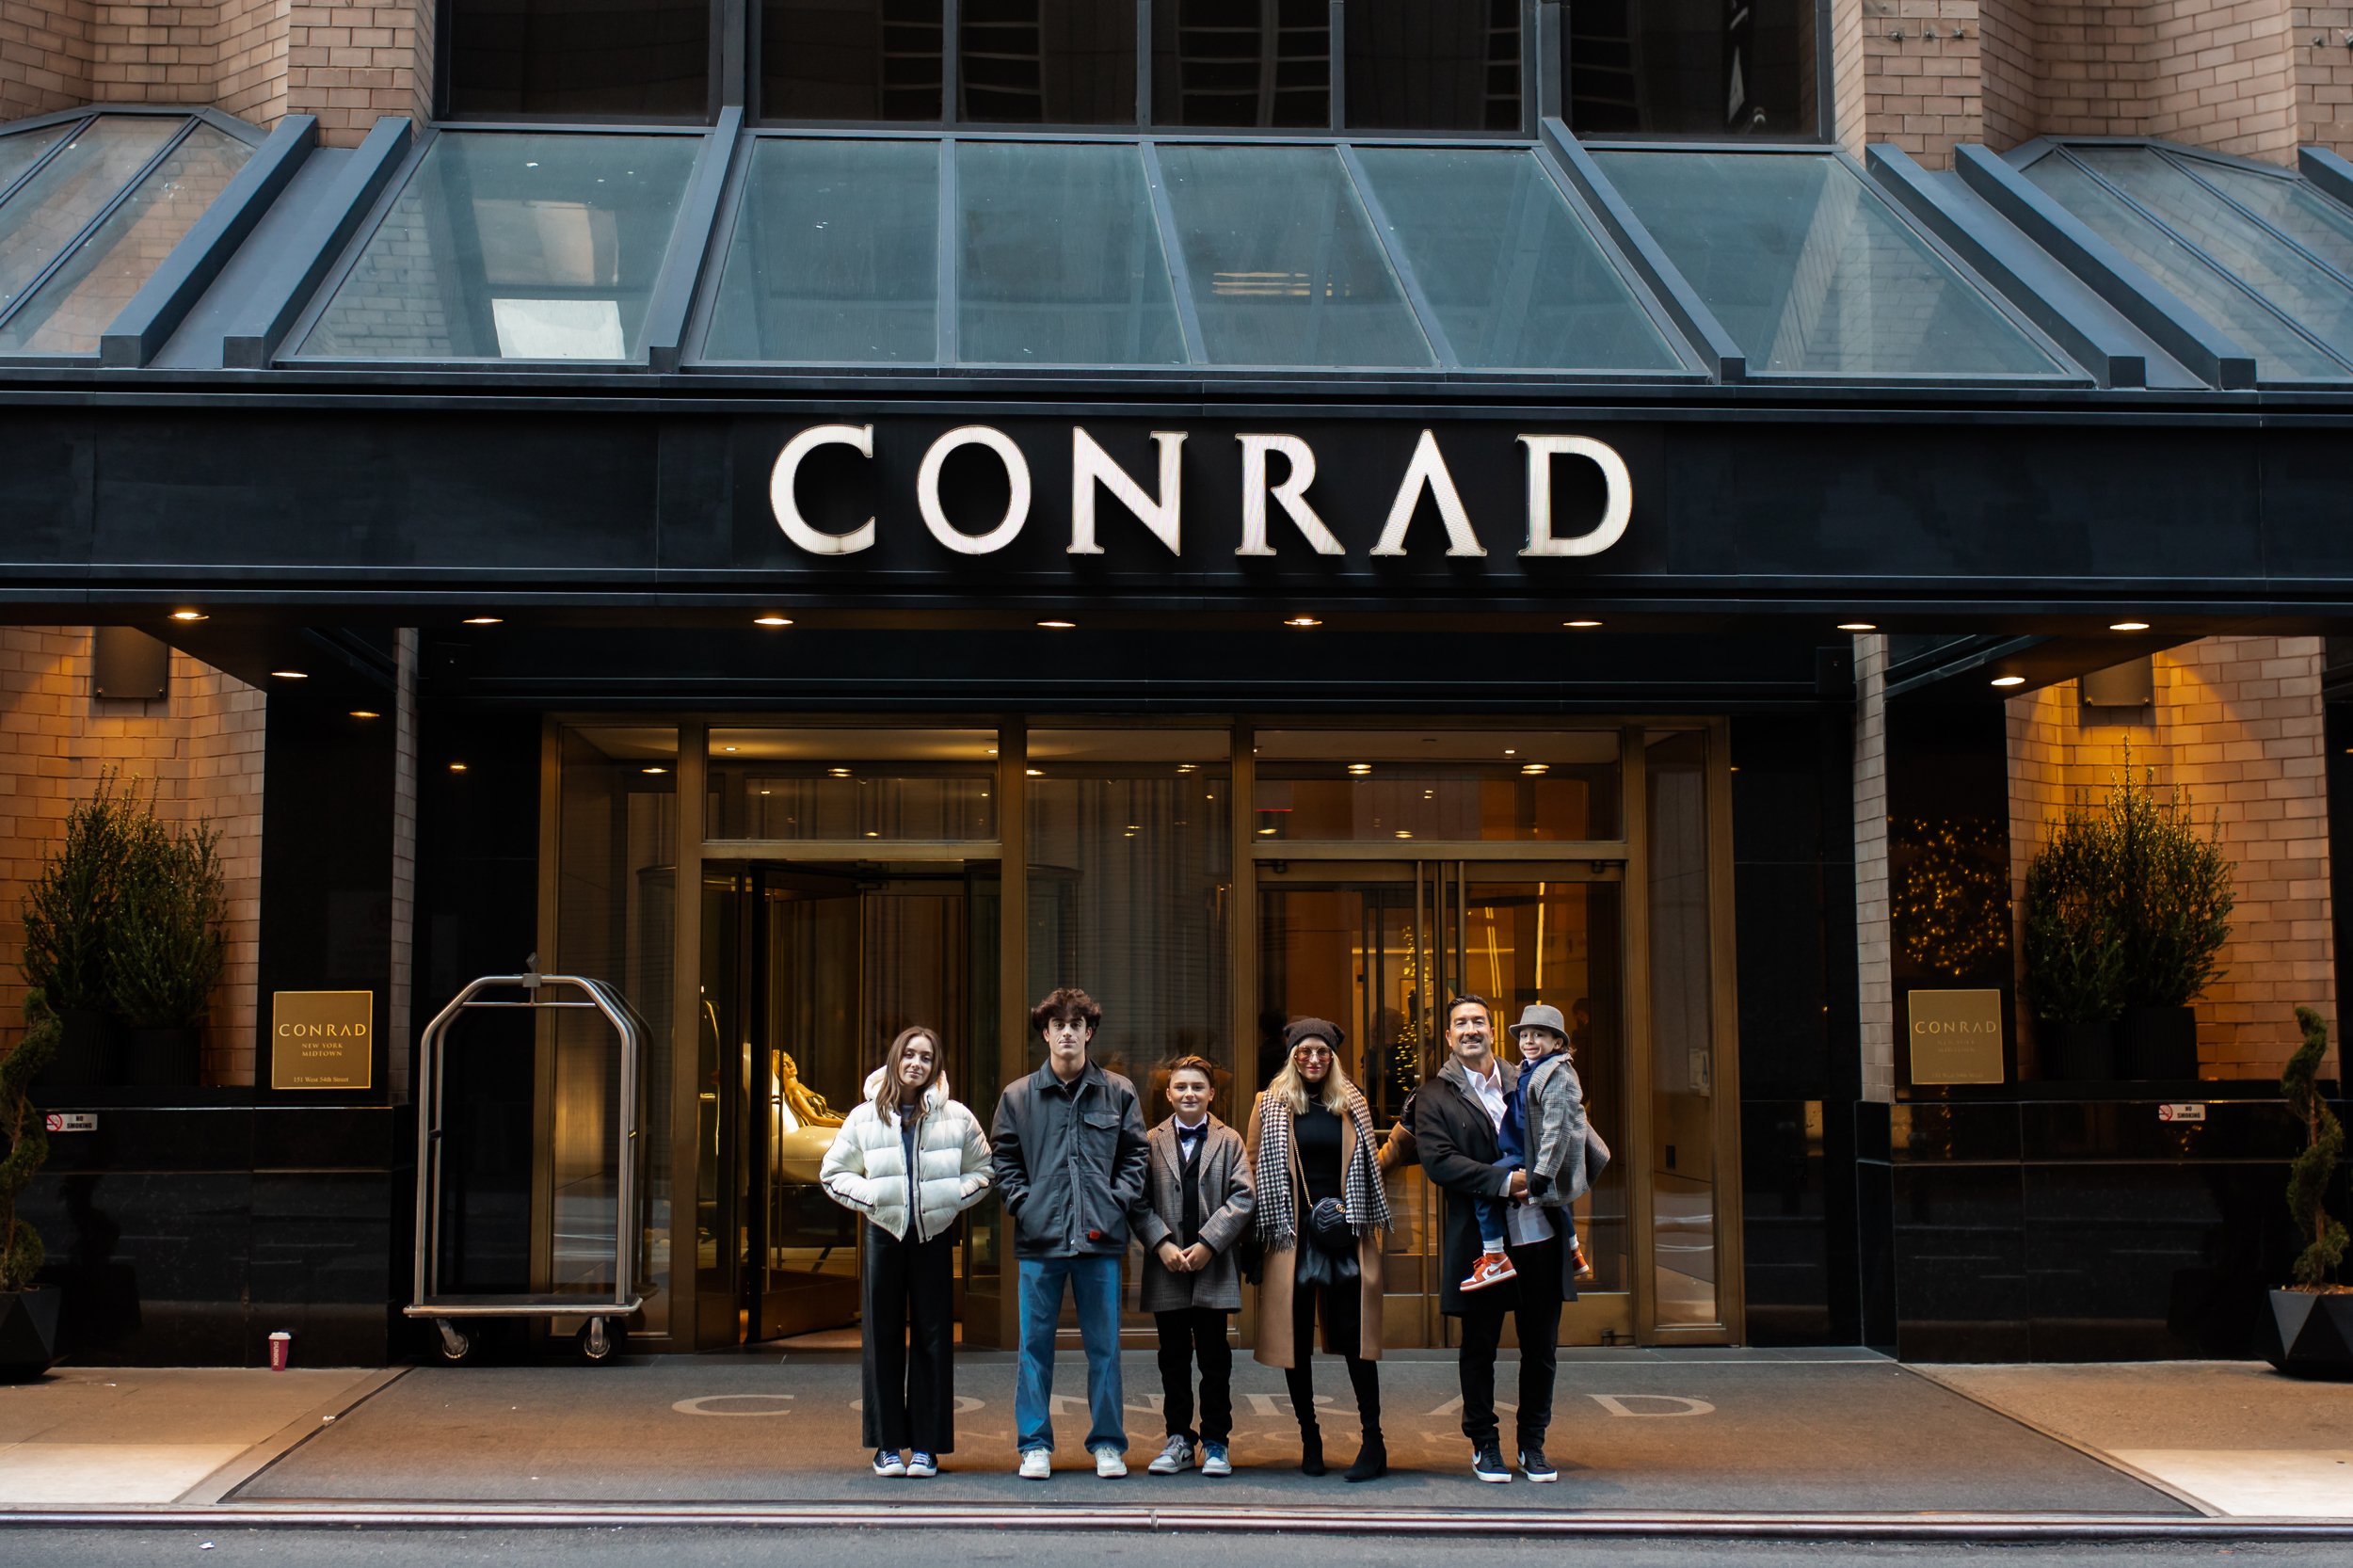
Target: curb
column 1333, row 1522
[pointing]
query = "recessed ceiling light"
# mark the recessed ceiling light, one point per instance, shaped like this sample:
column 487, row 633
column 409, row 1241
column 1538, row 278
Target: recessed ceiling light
column 1511, row 751
column 1403, row 834
column 1186, row 767
column 292, row 675
column 1059, row 625
column 1302, row 621
column 772, row 620
column 1580, row 625
column 653, row 770
column 1535, row 767
column 1360, row 769
column 486, row 620
column 1858, row 626
column 458, row 767
column 727, row 748
column 2009, row 681
column 366, row 713
column 873, row 833
column 190, row 614
column 2129, row 626
column 839, row 772
column 767, row 792
column 1266, row 833
column 1034, row 773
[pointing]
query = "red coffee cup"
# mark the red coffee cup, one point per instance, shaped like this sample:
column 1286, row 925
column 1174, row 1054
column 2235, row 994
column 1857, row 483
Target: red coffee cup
column 280, row 1349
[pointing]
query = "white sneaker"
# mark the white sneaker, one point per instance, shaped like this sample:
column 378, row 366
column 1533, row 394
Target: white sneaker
column 1216, row 1461
column 1036, row 1464
column 1109, row 1463
column 1174, row 1458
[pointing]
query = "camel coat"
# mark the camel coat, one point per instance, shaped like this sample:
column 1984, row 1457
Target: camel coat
column 1278, row 1275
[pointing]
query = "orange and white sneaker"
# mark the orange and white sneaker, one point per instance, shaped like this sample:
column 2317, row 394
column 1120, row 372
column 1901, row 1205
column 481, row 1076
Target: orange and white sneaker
column 1493, row 1268
column 1581, row 1265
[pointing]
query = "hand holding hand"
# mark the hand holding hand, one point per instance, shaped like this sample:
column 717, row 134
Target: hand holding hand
column 1174, row 1259
column 1197, row 1258
column 1517, row 1186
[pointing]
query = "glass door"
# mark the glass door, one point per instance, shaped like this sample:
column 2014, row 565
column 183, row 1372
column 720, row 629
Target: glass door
column 810, row 973
column 1379, row 948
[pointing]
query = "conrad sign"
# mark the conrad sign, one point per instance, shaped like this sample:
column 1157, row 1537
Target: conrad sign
column 1271, row 516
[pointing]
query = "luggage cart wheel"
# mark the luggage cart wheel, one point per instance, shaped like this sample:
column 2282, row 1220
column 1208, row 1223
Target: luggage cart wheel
column 456, row 1344
column 597, row 1342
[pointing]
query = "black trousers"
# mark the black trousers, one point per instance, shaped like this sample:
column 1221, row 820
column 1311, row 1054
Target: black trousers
column 1344, row 1315
column 908, row 1295
column 1533, row 1300
column 1189, row 1334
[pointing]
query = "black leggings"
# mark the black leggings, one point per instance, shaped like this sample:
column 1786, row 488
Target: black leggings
column 1344, row 1314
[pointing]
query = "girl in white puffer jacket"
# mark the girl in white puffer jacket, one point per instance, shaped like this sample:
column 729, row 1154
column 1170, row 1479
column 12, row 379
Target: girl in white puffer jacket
column 910, row 1159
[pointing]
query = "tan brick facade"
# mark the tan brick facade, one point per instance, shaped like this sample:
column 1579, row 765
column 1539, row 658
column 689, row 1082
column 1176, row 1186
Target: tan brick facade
column 1875, row 948
column 201, row 749
column 2255, row 78
column 2237, row 724
column 259, row 59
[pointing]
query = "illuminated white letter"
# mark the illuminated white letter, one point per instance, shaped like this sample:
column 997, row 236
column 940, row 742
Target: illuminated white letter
column 1090, row 465
column 1016, row 483
column 1291, row 495
column 788, row 506
column 1617, row 486
column 1428, row 470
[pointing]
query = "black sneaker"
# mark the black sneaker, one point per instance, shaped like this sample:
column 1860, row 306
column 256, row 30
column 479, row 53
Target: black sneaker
column 1536, row 1466
column 1487, row 1464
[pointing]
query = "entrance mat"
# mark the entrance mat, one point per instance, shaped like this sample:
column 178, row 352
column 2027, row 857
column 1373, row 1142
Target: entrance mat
column 1702, row 1434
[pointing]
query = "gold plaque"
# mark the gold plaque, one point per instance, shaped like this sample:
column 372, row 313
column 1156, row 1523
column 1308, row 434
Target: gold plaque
column 1956, row 1037
column 321, row 1039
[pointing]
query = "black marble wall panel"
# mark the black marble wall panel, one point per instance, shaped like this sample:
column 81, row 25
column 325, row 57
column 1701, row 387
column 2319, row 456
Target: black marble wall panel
column 174, row 1245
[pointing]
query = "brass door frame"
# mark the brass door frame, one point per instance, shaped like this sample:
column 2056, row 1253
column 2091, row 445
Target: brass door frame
column 1009, row 851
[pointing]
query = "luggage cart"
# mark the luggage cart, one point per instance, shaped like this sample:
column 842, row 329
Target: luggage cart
column 449, row 1313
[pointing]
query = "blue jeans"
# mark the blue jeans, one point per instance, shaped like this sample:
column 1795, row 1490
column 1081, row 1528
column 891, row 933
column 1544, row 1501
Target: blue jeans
column 1490, row 1211
column 1094, row 1284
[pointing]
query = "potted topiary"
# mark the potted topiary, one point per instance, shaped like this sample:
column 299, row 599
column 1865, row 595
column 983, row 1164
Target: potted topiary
column 167, row 949
column 69, row 924
column 2075, row 946
column 2173, row 886
column 29, row 1315
column 2310, row 1332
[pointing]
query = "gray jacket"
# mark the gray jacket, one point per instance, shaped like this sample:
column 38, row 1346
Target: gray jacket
column 1228, row 1200
column 1565, row 1154
column 1069, row 1162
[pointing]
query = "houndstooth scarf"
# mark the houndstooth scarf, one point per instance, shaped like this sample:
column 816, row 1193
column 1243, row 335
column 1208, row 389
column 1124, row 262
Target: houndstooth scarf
column 1362, row 1196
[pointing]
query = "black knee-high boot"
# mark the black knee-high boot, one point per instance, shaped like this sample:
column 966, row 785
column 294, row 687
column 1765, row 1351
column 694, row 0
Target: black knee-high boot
column 1301, row 1383
column 1372, row 1459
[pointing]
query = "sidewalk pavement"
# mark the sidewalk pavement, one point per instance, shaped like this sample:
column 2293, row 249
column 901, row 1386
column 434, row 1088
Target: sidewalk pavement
column 1686, row 1434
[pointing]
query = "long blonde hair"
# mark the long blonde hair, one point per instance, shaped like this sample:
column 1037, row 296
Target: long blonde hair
column 1291, row 1089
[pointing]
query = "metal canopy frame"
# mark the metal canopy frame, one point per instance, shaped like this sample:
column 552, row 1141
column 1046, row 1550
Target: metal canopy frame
column 147, row 319
column 2316, row 172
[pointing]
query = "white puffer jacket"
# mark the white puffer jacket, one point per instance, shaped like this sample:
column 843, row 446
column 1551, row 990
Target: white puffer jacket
column 866, row 1168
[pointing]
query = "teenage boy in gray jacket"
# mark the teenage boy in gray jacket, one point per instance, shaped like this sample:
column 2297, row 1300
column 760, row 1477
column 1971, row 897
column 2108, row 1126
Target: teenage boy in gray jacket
column 1069, row 1155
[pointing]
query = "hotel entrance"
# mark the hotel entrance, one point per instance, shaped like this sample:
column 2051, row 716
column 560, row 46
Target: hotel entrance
column 1207, row 881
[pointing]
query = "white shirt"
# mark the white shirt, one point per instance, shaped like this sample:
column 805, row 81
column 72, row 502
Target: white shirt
column 1488, row 1086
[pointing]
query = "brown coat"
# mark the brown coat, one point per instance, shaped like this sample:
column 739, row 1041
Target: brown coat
column 1274, row 1347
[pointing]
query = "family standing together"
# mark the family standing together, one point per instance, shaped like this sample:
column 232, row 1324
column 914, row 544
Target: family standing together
column 1297, row 1206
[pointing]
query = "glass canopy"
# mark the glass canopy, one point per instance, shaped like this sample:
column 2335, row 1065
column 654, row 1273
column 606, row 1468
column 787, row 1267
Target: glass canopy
column 2255, row 250
column 514, row 245
column 1297, row 257
column 89, row 208
column 1812, row 271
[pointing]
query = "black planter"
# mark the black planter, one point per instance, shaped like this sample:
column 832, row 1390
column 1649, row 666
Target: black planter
column 2158, row 1042
column 2307, row 1336
column 162, row 1057
column 28, row 1332
column 88, row 1049
column 2077, row 1053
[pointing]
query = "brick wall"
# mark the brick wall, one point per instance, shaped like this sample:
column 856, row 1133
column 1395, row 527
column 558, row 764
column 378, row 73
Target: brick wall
column 1924, row 81
column 2324, row 74
column 200, row 751
column 2237, row 724
column 259, row 59
column 1875, row 950
column 44, row 55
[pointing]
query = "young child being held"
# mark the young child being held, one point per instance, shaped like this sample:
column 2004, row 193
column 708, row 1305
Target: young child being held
column 1543, row 1128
